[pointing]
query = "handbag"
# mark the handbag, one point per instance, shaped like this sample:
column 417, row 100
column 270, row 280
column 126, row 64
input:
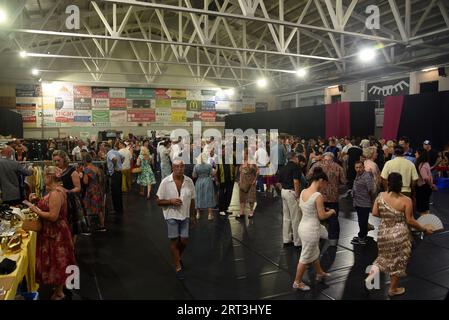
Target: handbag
column 136, row 170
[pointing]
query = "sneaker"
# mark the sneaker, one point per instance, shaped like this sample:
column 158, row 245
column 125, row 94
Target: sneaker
column 300, row 286
column 180, row 275
column 222, row 213
column 358, row 241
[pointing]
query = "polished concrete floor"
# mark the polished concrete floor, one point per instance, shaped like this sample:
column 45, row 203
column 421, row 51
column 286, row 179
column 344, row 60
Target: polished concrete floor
column 244, row 259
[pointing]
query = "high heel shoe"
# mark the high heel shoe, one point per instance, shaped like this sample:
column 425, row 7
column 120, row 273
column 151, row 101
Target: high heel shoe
column 300, row 286
column 320, row 277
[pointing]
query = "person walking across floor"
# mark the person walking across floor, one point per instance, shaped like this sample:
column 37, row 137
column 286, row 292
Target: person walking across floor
column 290, row 180
column 146, row 176
column 126, row 167
column 164, row 156
column 247, row 174
column 363, row 195
column 176, row 196
column 336, row 177
column 225, row 177
column 395, row 211
column 424, row 184
column 312, row 206
column 204, row 186
column 114, row 163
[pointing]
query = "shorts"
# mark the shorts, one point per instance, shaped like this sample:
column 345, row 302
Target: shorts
column 178, row 228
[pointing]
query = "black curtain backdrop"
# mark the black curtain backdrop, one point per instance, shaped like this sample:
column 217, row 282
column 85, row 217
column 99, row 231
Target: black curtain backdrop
column 363, row 119
column 426, row 117
column 10, row 123
column 306, row 122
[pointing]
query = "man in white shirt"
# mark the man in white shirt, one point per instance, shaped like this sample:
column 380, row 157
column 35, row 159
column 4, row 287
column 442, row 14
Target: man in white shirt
column 76, row 152
column 176, row 150
column 262, row 161
column 176, row 196
column 126, row 167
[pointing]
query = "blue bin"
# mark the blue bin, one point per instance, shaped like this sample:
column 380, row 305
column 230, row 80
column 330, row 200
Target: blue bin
column 442, row 183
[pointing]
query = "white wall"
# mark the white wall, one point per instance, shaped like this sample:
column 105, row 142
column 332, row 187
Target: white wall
column 419, row 77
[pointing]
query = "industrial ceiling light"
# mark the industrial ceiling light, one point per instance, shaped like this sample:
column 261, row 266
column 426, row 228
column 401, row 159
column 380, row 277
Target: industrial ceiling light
column 262, row 83
column 429, row 69
column 23, row 54
column 367, row 55
column 3, row 16
column 301, row 72
column 34, row 72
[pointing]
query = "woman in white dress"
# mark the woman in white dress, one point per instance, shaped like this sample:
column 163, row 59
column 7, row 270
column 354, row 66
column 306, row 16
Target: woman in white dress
column 312, row 207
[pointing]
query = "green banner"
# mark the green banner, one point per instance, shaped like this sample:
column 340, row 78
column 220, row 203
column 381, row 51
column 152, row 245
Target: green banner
column 100, row 116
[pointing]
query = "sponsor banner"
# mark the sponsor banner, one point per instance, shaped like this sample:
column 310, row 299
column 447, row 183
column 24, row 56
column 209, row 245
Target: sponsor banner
column 235, row 106
column 100, row 92
column 118, row 117
column 117, row 103
column 248, row 108
column 64, row 116
column 83, row 103
column 27, row 106
column 162, row 94
column 141, row 104
column 178, row 116
column 208, row 95
column 194, row 95
column 101, row 124
column 139, row 93
column 117, row 93
column 64, row 103
column 208, row 116
column 261, row 106
column 141, row 116
column 194, row 105
column 179, row 104
column 82, row 92
column 220, row 116
column 83, row 116
column 100, row 116
column 28, row 116
column 100, row 103
column 208, row 105
column 48, row 103
column 177, row 94
column 28, row 90
column 163, row 115
column 223, row 106
column 193, row 115
column 57, row 89
column 163, row 103
column 45, row 117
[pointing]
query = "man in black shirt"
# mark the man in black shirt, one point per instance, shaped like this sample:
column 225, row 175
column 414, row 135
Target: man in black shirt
column 354, row 154
column 290, row 179
column 433, row 155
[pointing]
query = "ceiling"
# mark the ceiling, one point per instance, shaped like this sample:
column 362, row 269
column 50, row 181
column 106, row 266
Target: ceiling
column 227, row 43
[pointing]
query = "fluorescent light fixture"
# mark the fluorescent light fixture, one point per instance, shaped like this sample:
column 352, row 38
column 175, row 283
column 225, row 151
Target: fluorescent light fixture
column 3, row 16
column 429, row 69
column 23, row 54
column 367, row 55
column 230, row 92
column 301, row 72
column 262, row 83
column 34, row 72
column 332, row 87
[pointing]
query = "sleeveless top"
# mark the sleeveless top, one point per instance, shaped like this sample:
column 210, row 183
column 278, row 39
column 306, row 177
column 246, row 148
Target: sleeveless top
column 66, row 178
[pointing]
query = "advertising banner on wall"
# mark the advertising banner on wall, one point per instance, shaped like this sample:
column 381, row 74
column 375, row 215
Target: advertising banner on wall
column 208, row 95
column 194, row 105
column 100, row 116
column 194, row 95
column 28, row 116
column 48, row 103
column 117, row 103
column 28, row 103
column 100, row 103
column 141, row 104
column 64, row 103
column 261, row 106
column 208, row 116
column 163, row 103
column 100, row 92
column 141, row 116
column 379, row 90
column 177, row 94
column 220, row 116
column 65, row 116
column 46, row 118
column 223, row 106
column 235, row 106
column 162, row 94
column 193, row 115
column 178, row 115
column 57, row 89
column 28, row 90
column 82, row 92
column 83, row 116
column 139, row 93
column 117, row 93
column 118, row 117
column 163, row 115
column 83, row 103
column 179, row 104
column 208, row 105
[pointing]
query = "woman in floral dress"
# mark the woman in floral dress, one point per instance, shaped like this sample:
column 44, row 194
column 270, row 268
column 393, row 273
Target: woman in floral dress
column 146, row 177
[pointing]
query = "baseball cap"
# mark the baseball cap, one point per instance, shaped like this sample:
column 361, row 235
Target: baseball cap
column 427, row 143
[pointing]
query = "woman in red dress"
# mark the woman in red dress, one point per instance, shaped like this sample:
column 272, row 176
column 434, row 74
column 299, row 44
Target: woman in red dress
column 54, row 249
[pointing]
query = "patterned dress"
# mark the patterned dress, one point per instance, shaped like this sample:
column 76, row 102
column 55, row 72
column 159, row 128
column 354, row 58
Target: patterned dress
column 146, row 177
column 54, row 249
column 248, row 174
column 93, row 201
column 393, row 241
column 204, row 186
column 309, row 229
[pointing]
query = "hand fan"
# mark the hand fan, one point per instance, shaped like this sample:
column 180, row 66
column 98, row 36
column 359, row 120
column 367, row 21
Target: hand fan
column 431, row 220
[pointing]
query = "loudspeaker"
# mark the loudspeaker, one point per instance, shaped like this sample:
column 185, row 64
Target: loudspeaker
column 442, row 72
column 341, row 88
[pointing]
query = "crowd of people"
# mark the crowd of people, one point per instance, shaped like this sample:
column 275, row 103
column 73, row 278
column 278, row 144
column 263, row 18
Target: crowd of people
column 385, row 178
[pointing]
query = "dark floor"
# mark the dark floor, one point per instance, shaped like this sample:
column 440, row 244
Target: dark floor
column 232, row 259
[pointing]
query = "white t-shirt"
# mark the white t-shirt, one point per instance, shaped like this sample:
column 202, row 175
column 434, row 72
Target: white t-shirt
column 175, row 151
column 346, row 148
column 126, row 154
column 261, row 157
column 167, row 190
column 77, row 152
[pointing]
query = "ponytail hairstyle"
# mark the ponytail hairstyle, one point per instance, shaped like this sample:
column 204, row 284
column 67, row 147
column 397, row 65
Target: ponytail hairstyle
column 318, row 174
column 394, row 182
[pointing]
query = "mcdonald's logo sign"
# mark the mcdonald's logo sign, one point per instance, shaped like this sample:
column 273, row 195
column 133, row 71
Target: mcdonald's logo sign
column 193, row 105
